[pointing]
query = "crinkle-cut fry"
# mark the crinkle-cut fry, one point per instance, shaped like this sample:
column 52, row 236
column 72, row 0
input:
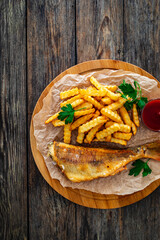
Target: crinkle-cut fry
column 99, row 140
column 70, row 100
column 112, row 88
column 58, row 123
column 77, row 102
column 112, row 115
column 67, row 133
column 135, row 115
column 134, row 129
column 123, row 136
column 69, row 93
column 84, row 112
column 108, row 131
column 92, row 123
column 124, row 128
column 93, row 101
column 108, row 138
column 93, row 132
column 52, row 118
column 116, row 105
column 96, row 114
column 109, row 123
column 98, row 98
column 81, row 121
column 125, row 116
column 80, row 137
column 95, row 83
column 85, row 105
column 113, row 96
column 92, row 92
column 119, row 141
column 106, row 100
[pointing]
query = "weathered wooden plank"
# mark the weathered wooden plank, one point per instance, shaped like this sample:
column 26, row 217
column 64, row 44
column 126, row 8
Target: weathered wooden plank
column 141, row 47
column 51, row 49
column 13, row 161
column 99, row 28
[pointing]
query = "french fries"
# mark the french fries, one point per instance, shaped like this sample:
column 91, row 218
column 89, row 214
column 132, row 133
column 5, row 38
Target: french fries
column 93, row 101
column 84, row 112
column 69, row 93
column 135, row 115
column 81, row 121
column 80, row 137
column 67, row 133
column 93, row 132
column 108, row 131
column 125, row 116
column 123, row 136
column 92, row 123
column 112, row 115
column 70, row 100
column 119, row 141
column 99, row 114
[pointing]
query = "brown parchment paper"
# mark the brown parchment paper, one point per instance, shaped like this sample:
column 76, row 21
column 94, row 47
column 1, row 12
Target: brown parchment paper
column 121, row 183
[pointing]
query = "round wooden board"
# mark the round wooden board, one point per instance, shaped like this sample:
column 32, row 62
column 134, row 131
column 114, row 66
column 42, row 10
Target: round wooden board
column 83, row 197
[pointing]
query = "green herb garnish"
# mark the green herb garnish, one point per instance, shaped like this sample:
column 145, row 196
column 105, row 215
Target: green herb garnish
column 134, row 93
column 67, row 113
column 139, row 165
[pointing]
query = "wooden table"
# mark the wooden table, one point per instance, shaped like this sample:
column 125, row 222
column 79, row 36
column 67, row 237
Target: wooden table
column 38, row 40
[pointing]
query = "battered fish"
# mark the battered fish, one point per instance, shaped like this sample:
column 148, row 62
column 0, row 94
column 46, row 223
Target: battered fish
column 84, row 164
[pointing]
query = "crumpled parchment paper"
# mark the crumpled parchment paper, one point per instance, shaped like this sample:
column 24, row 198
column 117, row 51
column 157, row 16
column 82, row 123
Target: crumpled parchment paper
column 121, row 183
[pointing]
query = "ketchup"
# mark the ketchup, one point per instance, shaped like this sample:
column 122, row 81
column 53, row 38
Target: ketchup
column 151, row 115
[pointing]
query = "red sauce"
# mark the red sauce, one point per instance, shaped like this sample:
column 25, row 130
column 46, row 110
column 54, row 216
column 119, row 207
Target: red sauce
column 151, row 115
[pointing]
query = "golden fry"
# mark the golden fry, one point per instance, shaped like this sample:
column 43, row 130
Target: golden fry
column 70, row 100
column 96, row 114
column 77, row 102
column 106, row 100
column 96, row 83
column 123, row 136
column 93, row 132
column 124, row 128
column 67, row 133
column 134, row 129
column 80, row 137
column 108, row 138
column 108, row 131
column 58, row 123
column 112, row 115
column 93, row 101
column 84, row 112
column 112, row 88
column 92, row 92
column 52, row 118
column 116, row 105
column 125, row 116
column 81, row 121
column 92, row 123
column 119, row 141
column 85, row 105
column 109, row 123
column 135, row 115
column 69, row 93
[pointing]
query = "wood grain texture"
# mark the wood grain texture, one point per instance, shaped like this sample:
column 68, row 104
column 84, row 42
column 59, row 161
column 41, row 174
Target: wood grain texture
column 51, row 50
column 141, row 47
column 99, row 29
column 13, row 151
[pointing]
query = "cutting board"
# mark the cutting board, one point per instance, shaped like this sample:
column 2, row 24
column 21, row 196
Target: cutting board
column 83, row 197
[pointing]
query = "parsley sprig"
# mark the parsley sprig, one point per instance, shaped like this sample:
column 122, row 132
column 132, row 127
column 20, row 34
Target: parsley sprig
column 139, row 165
column 67, row 113
column 134, row 93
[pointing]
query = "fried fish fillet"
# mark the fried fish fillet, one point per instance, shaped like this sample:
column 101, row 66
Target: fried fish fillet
column 84, row 164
